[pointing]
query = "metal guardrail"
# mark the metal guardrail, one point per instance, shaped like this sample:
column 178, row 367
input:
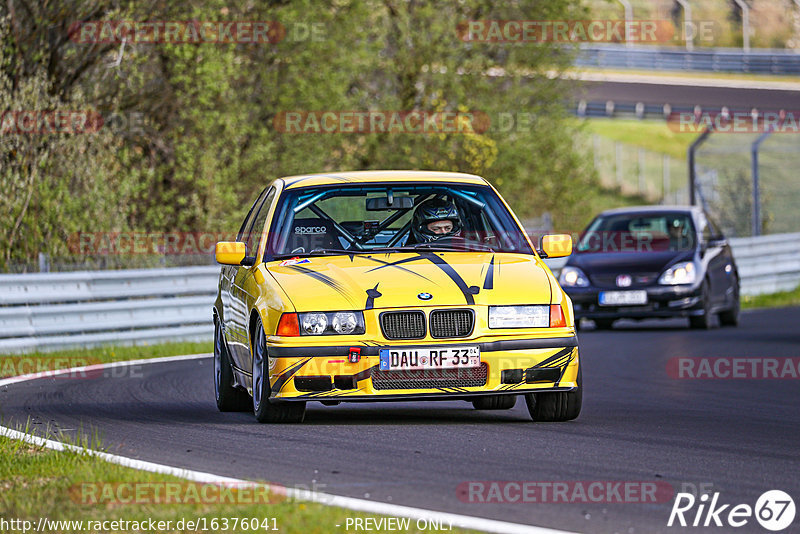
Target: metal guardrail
column 767, row 264
column 51, row 311
column 771, row 61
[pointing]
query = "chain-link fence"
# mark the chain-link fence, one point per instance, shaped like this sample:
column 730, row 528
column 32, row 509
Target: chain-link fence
column 725, row 182
column 656, row 177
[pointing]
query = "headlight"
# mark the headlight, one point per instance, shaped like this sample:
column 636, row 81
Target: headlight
column 573, row 277
column 684, row 272
column 519, row 316
column 327, row 323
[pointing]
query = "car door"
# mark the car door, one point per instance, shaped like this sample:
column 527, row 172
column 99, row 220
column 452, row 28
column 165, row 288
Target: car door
column 713, row 247
column 227, row 288
column 241, row 298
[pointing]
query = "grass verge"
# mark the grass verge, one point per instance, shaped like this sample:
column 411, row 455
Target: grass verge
column 76, row 487
column 18, row 364
column 781, row 299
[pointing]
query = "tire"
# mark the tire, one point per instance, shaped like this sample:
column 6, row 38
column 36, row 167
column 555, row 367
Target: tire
column 730, row 317
column 603, row 324
column 265, row 409
column 229, row 398
column 703, row 322
column 495, row 402
column 556, row 406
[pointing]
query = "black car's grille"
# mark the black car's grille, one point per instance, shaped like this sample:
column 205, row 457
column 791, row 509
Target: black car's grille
column 403, row 325
column 610, row 280
column 451, row 323
column 430, row 378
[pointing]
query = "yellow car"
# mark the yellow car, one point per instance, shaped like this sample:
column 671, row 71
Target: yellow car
column 387, row 285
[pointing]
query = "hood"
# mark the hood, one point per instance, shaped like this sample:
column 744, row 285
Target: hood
column 358, row 282
column 630, row 262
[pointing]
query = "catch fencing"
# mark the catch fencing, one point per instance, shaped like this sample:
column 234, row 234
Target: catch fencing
column 53, row 311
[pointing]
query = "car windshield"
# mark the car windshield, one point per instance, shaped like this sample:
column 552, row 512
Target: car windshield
column 345, row 219
column 629, row 232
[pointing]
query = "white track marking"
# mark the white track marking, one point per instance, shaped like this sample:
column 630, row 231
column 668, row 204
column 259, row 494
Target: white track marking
column 349, row 503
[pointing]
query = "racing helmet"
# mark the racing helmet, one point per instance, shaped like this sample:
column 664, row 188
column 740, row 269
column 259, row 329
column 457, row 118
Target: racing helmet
column 435, row 209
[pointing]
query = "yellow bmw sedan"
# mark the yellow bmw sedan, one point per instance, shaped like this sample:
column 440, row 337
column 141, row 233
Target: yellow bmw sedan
column 387, row 285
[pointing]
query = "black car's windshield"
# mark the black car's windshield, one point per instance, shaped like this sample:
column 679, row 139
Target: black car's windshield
column 392, row 217
column 630, row 232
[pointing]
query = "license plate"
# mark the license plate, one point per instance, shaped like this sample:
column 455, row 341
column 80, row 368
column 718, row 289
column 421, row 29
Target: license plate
column 412, row 358
column 622, row 298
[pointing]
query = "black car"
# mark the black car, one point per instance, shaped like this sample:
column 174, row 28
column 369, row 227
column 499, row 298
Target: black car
column 653, row 261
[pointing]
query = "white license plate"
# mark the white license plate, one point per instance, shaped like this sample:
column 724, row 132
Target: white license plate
column 622, row 298
column 412, row 358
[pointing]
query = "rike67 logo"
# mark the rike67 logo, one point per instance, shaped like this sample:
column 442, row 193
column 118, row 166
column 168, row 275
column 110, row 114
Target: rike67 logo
column 774, row 510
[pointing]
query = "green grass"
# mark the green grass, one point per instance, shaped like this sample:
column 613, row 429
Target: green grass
column 37, row 482
column 15, row 364
column 781, row 299
column 652, row 135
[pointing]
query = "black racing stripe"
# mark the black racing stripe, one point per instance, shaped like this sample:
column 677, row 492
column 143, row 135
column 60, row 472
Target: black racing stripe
column 550, row 362
column 325, row 279
column 441, row 263
column 281, row 381
column 488, row 282
column 395, row 265
column 363, row 375
column 372, row 294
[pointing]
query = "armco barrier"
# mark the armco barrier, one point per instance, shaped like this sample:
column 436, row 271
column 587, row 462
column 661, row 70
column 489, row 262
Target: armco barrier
column 54, row 311
column 765, row 61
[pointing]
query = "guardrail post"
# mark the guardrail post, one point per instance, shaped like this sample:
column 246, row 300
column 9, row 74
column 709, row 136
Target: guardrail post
column 665, row 177
column 745, row 24
column 692, row 167
column 628, row 20
column 687, row 22
column 756, row 182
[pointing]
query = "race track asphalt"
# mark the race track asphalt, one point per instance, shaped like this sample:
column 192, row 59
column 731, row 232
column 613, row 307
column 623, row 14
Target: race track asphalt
column 739, row 437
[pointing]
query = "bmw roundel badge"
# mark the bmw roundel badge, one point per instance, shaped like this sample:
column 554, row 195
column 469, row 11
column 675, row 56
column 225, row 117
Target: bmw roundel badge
column 424, row 296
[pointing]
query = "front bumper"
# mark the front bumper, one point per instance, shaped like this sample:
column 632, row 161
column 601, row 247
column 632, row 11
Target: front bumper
column 662, row 302
column 508, row 367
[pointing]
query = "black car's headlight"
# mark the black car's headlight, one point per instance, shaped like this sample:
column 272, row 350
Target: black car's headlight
column 684, row 272
column 331, row 323
column 573, row 277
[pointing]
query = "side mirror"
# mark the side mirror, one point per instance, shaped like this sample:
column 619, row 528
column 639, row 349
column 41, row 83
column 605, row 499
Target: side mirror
column 230, row 252
column 557, row 245
column 717, row 242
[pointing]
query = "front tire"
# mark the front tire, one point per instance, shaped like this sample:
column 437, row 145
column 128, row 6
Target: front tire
column 495, row 402
column 265, row 409
column 556, row 406
column 730, row 317
column 703, row 322
column 229, row 398
column 603, row 324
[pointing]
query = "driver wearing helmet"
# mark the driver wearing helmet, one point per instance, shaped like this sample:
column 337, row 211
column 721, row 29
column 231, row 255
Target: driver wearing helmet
column 434, row 219
column 678, row 239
